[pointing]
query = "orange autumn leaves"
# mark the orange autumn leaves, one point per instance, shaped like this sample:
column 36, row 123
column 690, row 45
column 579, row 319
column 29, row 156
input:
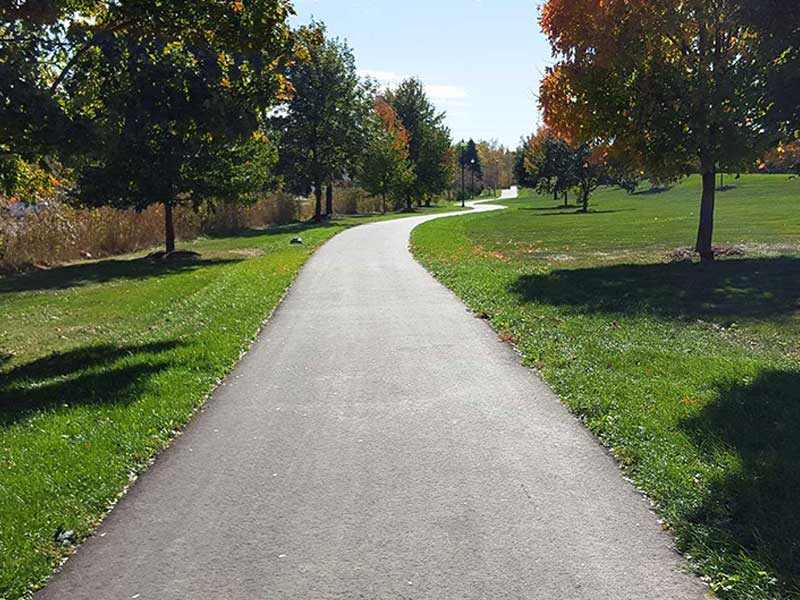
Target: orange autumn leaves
column 606, row 48
column 398, row 133
column 589, row 36
column 581, row 27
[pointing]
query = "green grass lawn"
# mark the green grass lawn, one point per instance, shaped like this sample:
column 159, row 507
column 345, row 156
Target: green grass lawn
column 689, row 373
column 102, row 363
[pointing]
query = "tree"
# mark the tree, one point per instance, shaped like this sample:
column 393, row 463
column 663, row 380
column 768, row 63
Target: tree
column 176, row 116
column 588, row 172
column 167, row 96
column 620, row 172
column 429, row 141
column 521, row 176
column 785, row 158
column 321, row 128
column 674, row 86
column 386, row 169
column 550, row 164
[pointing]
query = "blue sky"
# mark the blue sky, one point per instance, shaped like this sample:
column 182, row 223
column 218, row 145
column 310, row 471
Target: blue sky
column 480, row 59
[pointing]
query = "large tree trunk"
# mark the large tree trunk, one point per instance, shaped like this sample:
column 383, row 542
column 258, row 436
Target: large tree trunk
column 409, row 203
column 383, row 197
column 329, row 200
column 318, row 201
column 169, row 228
column 705, row 232
column 566, row 198
column 585, row 201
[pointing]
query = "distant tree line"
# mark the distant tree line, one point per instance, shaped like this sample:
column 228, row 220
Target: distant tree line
column 129, row 104
column 480, row 166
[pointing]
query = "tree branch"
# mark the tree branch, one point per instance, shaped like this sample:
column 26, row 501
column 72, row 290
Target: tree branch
column 80, row 52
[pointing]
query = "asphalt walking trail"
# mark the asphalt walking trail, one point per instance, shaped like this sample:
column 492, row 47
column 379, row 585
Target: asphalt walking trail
column 379, row 443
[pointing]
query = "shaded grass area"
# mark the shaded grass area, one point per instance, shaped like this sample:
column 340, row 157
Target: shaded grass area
column 102, row 363
column 731, row 292
column 689, row 373
column 104, row 271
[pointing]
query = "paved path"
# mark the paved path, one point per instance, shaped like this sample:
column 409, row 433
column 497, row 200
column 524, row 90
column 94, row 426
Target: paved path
column 379, row 443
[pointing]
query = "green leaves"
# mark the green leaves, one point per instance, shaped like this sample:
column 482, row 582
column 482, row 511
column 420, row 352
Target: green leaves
column 429, row 139
column 321, row 127
column 177, row 84
column 175, row 93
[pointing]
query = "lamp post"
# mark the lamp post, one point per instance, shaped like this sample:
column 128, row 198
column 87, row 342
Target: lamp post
column 472, row 171
column 463, row 187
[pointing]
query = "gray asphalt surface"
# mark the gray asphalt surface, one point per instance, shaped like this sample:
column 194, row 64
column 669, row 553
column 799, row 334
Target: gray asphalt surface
column 378, row 442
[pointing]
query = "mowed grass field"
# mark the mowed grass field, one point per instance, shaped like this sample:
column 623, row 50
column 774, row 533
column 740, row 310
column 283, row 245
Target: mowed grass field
column 102, row 363
column 690, row 373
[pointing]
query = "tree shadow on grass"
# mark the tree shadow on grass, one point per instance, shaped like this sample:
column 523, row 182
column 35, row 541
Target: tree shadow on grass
column 591, row 211
column 758, row 506
column 290, row 228
column 652, row 191
column 103, row 271
column 560, row 207
column 106, row 374
column 724, row 292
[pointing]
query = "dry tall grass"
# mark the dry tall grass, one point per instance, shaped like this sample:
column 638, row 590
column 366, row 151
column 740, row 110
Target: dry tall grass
column 353, row 200
column 54, row 232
